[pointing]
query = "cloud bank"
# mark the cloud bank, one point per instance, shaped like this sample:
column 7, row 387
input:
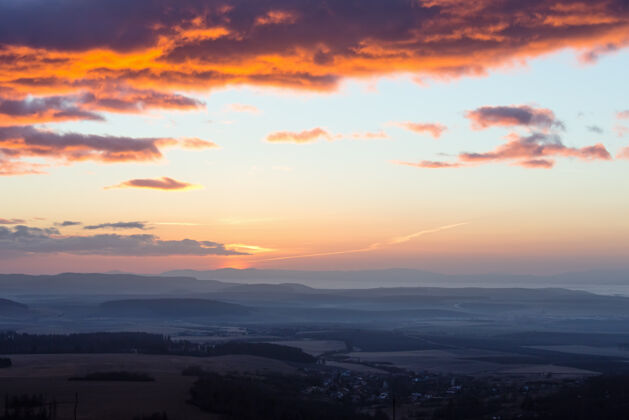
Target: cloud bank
column 62, row 46
column 27, row 240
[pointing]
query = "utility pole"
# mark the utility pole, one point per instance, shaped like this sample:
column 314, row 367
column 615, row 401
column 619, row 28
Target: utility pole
column 76, row 403
column 393, row 399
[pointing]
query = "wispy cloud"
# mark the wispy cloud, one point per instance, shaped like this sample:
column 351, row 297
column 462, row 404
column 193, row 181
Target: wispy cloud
column 11, row 221
column 537, row 150
column 196, row 143
column 301, row 137
column 623, row 115
column 243, row 108
column 164, row 183
column 623, row 153
column 118, row 225
column 433, row 129
column 370, row 135
column 372, row 247
column 250, row 249
column 406, row 238
column 67, row 223
column 621, row 130
column 178, row 224
column 317, row 133
column 429, row 164
column 246, row 220
column 595, row 129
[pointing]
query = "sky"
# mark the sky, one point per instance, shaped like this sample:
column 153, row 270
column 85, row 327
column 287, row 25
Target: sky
column 433, row 134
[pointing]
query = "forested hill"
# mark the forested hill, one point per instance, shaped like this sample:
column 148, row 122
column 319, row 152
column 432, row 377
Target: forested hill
column 178, row 308
column 9, row 307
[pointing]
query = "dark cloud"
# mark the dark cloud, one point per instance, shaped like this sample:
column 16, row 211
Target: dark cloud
column 67, row 223
column 127, row 99
column 78, row 25
column 85, row 106
column 118, row 225
column 513, row 115
column 20, row 142
column 30, row 141
column 37, row 110
column 23, row 239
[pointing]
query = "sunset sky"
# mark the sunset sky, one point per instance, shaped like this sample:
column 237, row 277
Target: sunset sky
column 446, row 135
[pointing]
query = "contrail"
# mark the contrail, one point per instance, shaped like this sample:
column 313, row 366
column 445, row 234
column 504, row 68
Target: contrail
column 372, row 247
column 178, row 224
column 407, row 238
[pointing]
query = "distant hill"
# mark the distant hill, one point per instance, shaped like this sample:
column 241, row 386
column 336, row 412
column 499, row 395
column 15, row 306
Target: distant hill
column 103, row 284
column 597, row 281
column 318, row 279
column 279, row 282
column 9, row 307
column 172, row 308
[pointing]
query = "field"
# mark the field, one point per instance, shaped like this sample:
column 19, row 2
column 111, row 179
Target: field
column 314, row 347
column 48, row 375
column 586, row 350
column 468, row 362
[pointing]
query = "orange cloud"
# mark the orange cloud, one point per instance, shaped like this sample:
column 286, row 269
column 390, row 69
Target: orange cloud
column 276, row 17
column 125, row 99
column 12, row 168
column 306, row 136
column 163, row 183
column 623, row 153
column 623, row 114
column 195, row 143
column 11, row 221
column 536, row 163
column 434, row 129
column 370, row 135
column 191, row 45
